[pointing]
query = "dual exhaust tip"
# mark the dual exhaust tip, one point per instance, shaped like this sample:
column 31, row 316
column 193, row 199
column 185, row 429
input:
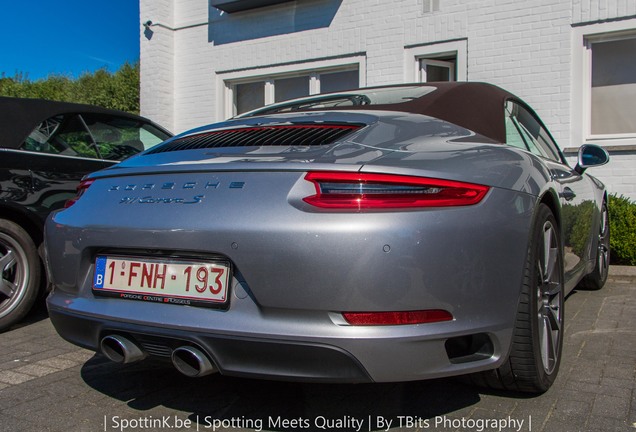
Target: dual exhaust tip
column 188, row 360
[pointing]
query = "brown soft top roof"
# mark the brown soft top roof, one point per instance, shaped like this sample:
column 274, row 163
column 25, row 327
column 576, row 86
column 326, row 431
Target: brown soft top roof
column 473, row 105
column 18, row 116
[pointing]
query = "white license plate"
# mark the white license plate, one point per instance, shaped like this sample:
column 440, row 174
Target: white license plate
column 196, row 283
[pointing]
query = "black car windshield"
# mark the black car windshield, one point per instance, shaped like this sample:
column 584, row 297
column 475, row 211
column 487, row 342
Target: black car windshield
column 377, row 96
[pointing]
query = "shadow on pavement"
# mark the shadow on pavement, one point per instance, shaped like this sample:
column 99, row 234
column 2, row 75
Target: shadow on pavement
column 37, row 313
column 272, row 405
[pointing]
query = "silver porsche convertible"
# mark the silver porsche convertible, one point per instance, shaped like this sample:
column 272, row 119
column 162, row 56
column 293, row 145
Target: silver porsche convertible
column 382, row 234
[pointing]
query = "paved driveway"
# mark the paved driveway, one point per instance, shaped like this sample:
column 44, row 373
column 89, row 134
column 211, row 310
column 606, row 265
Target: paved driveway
column 47, row 384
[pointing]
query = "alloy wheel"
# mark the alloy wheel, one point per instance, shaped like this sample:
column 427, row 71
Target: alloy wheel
column 13, row 263
column 549, row 298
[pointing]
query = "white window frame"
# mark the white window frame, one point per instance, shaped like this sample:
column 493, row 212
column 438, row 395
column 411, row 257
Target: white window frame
column 269, row 74
column 581, row 113
column 433, row 51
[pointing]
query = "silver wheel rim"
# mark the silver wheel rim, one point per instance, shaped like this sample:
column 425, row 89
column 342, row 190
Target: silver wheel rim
column 603, row 245
column 14, row 267
column 549, row 298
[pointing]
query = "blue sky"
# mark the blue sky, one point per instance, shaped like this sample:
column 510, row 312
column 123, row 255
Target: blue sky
column 67, row 37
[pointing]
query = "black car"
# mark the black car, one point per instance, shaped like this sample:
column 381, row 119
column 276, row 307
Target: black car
column 46, row 148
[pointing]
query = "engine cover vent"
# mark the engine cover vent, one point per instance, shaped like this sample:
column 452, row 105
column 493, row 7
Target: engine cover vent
column 276, row 135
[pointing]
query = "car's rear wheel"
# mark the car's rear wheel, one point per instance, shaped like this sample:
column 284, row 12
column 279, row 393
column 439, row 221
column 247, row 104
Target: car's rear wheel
column 598, row 277
column 20, row 268
column 533, row 362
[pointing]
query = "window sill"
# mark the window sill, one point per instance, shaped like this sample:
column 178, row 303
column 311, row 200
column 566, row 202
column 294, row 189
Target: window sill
column 624, row 148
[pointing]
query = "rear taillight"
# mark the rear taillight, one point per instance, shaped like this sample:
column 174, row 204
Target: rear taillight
column 396, row 318
column 360, row 191
column 81, row 188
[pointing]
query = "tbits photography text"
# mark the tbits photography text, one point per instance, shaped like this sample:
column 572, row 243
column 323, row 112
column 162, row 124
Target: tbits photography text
column 345, row 423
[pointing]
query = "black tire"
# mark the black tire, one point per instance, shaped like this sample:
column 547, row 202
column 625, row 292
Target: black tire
column 21, row 272
column 535, row 355
column 597, row 278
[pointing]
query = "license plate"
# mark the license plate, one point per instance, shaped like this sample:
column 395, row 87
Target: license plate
column 172, row 281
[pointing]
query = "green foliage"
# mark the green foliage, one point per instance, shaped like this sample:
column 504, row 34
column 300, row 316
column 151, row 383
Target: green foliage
column 577, row 221
column 622, row 218
column 119, row 90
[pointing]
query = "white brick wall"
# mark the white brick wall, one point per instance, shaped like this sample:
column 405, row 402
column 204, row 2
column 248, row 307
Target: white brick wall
column 526, row 47
column 156, row 62
column 598, row 10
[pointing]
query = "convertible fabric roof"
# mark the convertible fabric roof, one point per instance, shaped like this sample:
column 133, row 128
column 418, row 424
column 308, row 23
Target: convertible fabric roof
column 18, row 117
column 473, row 105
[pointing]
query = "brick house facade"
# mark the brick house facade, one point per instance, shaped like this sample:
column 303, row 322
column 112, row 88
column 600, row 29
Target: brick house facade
column 574, row 61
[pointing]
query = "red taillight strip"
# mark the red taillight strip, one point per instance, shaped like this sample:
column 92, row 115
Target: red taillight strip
column 81, row 188
column 397, row 318
column 363, row 191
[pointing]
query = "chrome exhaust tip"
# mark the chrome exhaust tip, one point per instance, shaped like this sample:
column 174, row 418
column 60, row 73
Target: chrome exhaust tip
column 121, row 350
column 191, row 362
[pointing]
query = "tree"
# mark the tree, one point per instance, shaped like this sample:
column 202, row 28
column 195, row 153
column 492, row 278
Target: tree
column 119, row 90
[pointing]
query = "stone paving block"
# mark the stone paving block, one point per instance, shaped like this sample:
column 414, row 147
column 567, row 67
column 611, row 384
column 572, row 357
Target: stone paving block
column 622, row 371
column 611, row 406
column 13, row 378
column 12, row 355
column 43, row 355
column 11, row 364
column 584, row 370
column 36, row 370
column 59, row 363
column 560, row 426
column 606, row 424
column 64, row 419
column 574, row 329
column 10, row 423
column 598, row 389
column 78, row 355
column 51, row 379
column 617, row 384
column 631, row 417
column 607, row 324
column 32, row 347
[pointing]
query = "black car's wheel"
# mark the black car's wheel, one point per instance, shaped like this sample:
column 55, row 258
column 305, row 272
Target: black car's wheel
column 20, row 268
column 598, row 277
column 535, row 355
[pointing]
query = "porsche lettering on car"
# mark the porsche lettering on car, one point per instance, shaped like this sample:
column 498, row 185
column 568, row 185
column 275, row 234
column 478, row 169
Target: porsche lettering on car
column 382, row 234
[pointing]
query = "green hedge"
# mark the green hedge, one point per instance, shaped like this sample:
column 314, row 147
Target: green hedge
column 622, row 216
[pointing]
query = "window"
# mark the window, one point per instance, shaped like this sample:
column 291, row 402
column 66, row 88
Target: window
column 440, row 61
column 336, row 81
column 613, row 87
column 64, row 135
column 249, row 95
column 442, row 69
column 523, row 130
column 94, row 136
column 291, row 88
column 604, row 84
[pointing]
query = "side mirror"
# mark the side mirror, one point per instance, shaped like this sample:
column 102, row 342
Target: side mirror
column 590, row 155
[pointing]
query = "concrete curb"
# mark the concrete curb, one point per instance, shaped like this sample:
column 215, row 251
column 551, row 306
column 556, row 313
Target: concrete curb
column 627, row 271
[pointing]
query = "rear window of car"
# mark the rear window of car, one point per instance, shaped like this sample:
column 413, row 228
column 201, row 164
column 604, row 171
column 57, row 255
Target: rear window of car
column 379, row 96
